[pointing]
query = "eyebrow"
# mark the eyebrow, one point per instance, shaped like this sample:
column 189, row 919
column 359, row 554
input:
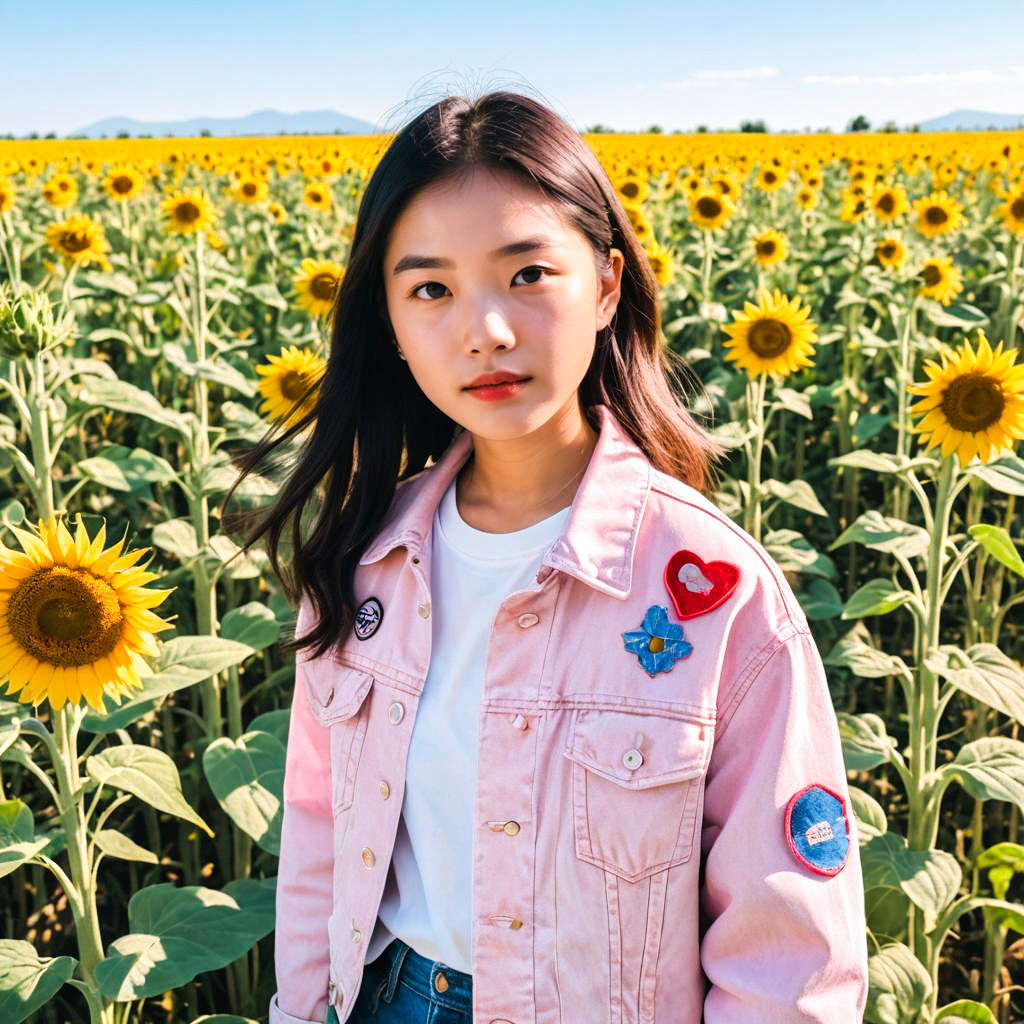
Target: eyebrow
column 436, row 262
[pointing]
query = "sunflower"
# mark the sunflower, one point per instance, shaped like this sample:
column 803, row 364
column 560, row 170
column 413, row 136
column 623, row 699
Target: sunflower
column 770, row 247
column 710, row 210
column 285, row 382
column 890, row 202
column 854, row 207
column 74, row 617
column 632, row 189
column 974, row 402
column 937, row 214
column 727, row 184
column 660, row 259
column 317, row 197
column 6, row 195
column 123, row 182
column 1012, row 211
column 941, row 280
column 807, row 197
column 773, row 337
column 770, row 177
column 277, row 211
column 187, row 211
column 61, row 190
column 79, row 239
column 890, row 252
column 317, row 284
column 251, row 189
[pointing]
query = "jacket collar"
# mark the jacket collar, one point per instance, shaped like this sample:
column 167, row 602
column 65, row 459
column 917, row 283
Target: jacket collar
column 600, row 534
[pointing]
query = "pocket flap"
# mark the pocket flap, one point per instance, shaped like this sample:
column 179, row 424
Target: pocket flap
column 640, row 750
column 334, row 691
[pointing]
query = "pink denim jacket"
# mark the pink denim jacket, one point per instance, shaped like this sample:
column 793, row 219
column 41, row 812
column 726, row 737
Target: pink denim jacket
column 644, row 853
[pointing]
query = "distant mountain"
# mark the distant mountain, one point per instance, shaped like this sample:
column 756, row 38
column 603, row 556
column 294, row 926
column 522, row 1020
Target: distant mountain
column 973, row 121
column 262, row 122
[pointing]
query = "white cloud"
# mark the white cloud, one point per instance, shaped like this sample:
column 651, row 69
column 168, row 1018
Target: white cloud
column 978, row 76
column 712, row 77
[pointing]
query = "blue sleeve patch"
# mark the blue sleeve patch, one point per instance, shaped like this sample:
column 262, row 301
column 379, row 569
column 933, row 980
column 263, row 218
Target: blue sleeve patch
column 817, row 829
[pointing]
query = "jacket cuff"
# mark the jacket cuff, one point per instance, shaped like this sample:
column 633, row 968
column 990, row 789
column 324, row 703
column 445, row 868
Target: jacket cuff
column 278, row 1016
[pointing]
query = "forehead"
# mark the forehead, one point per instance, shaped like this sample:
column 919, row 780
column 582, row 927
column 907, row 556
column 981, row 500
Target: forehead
column 479, row 205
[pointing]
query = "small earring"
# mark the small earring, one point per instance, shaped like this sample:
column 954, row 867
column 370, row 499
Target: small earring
column 400, row 354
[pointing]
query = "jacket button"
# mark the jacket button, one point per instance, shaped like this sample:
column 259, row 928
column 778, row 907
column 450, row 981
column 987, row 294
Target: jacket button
column 331, row 988
column 441, row 982
column 516, row 924
column 424, row 609
column 368, row 858
column 520, row 722
column 511, row 828
column 632, row 758
column 415, row 559
column 528, row 619
column 385, row 789
column 396, row 712
column 356, row 936
column 330, row 697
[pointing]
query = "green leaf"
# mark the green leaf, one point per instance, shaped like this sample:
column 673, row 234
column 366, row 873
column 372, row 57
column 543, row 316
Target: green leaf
column 965, row 1011
column 115, row 844
column 899, row 985
column 183, row 661
column 877, row 597
column 797, row 492
column 871, row 820
column 177, row 934
column 1005, row 475
column 147, row 773
column 125, row 397
column 869, row 425
column 18, row 842
column 793, row 401
column 105, row 472
column 885, row 534
column 983, row 672
column 29, row 981
column 930, row 878
column 267, row 293
column 820, row 600
column 178, row 537
column 960, row 314
column 247, row 777
column 253, row 624
column 1006, row 856
column 998, row 543
column 866, row 661
column 275, row 722
column 865, row 742
column 879, row 462
column 990, row 768
column 109, row 281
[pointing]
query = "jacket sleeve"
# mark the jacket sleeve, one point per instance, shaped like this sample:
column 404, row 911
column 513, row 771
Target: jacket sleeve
column 783, row 943
column 305, row 869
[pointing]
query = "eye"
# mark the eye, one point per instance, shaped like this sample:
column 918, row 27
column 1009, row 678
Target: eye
column 426, row 284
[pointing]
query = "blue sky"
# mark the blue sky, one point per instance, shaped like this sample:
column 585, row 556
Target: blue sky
column 627, row 65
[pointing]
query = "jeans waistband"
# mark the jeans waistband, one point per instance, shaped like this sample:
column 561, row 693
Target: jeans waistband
column 421, row 975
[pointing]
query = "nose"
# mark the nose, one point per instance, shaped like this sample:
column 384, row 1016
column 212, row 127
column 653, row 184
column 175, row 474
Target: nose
column 491, row 332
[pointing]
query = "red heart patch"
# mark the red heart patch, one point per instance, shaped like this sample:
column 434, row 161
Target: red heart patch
column 696, row 586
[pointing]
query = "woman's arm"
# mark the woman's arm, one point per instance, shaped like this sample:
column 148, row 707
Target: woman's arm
column 305, row 871
column 783, row 943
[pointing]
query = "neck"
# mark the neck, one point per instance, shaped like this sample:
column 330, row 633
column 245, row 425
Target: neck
column 538, row 473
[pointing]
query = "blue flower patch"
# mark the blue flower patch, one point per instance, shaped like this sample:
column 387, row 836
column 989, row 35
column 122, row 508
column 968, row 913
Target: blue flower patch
column 817, row 830
column 659, row 643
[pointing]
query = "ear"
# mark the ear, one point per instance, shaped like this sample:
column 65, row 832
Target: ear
column 609, row 288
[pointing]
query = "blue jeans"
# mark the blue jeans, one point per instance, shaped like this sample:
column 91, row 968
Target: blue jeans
column 400, row 987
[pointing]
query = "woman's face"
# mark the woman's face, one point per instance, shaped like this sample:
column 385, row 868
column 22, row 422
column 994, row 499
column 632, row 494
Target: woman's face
column 476, row 310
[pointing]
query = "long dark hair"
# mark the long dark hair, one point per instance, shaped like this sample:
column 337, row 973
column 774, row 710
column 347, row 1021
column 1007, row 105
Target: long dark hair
column 378, row 427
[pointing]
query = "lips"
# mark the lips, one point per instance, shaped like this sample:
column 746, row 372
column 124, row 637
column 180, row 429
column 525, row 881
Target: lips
column 496, row 382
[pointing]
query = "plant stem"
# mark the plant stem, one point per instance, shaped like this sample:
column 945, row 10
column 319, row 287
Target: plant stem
column 755, row 414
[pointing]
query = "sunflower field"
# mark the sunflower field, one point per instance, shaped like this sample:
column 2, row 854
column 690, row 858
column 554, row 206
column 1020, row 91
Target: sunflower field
column 853, row 309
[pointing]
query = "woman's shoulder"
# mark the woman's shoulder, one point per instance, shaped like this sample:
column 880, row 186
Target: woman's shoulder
column 679, row 518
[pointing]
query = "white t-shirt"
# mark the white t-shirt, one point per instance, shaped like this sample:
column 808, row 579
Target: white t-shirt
column 428, row 896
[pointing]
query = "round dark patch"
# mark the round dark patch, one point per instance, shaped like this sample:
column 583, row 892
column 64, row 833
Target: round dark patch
column 368, row 618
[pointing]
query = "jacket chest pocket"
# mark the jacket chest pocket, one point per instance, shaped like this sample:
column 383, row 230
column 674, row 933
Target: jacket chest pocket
column 337, row 700
column 636, row 788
